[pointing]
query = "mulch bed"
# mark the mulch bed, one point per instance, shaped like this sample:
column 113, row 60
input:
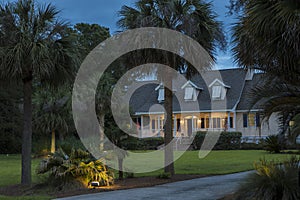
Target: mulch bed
column 129, row 183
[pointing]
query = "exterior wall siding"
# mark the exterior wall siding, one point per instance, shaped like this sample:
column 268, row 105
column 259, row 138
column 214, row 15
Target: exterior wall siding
column 267, row 128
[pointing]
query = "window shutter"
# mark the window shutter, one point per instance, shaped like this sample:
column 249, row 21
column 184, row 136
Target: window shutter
column 257, row 120
column 245, row 120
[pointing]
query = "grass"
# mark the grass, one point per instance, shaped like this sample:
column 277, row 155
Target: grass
column 217, row 162
column 10, row 170
column 25, row 198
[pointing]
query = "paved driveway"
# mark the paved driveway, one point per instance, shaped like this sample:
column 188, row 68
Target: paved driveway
column 208, row 188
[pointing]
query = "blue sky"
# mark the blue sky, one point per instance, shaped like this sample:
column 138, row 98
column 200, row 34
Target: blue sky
column 104, row 12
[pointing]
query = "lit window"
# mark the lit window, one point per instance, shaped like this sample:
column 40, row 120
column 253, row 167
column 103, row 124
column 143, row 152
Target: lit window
column 161, row 95
column 251, row 119
column 216, row 92
column 188, row 93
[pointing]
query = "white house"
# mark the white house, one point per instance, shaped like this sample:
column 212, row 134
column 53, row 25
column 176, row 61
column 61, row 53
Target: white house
column 218, row 103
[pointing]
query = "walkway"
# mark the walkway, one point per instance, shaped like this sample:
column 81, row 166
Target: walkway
column 208, row 188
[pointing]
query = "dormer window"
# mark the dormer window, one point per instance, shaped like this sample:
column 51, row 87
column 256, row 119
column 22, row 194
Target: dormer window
column 218, row 90
column 191, row 91
column 161, row 94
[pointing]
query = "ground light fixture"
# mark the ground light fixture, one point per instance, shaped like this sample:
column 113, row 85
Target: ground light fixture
column 95, row 184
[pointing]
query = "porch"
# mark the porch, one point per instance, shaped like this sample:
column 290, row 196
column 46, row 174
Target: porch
column 184, row 125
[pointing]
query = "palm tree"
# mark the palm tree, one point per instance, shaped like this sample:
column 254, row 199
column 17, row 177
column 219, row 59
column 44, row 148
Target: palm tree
column 266, row 37
column 53, row 112
column 33, row 49
column 193, row 18
column 281, row 98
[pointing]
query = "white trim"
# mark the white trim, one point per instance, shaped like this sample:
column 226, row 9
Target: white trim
column 182, row 112
column 160, row 86
column 246, row 111
column 192, row 84
column 217, row 80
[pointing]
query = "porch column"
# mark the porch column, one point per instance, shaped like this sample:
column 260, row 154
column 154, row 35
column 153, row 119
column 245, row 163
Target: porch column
column 158, row 125
column 142, row 126
column 175, row 126
column 228, row 121
column 192, row 123
column 234, row 120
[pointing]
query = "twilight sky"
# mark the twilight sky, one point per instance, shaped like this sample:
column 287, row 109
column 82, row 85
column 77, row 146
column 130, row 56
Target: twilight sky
column 104, row 12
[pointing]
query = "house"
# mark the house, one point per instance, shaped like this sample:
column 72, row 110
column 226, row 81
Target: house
column 221, row 102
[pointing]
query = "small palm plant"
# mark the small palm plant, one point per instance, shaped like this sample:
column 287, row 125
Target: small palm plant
column 273, row 144
column 272, row 181
column 79, row 167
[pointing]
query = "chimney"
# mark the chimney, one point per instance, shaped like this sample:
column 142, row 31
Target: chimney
column 249, row 75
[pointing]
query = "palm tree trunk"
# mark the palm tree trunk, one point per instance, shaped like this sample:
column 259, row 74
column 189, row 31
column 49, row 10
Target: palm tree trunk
column 101, row 128
column 169, row 157
column 27, row 134
column 53, row 141
column 120, row 163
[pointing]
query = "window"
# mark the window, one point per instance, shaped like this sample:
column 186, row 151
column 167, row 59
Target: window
column 216, row 123
column 178, row 125
column 207, row 122
column 202, row 122
column 189, row 91
column 251, row 119
column 245, row 120
column 153, row 124
column 216, row 92
column 231, row 122
column 162, row 122
column 161, row 94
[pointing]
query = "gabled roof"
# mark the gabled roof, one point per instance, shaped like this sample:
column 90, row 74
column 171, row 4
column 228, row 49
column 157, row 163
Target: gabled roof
column 146, row 96
column 220, row 82
column 192, row 84
column 245, row 103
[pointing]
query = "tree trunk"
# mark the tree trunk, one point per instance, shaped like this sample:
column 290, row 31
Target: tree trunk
column 169, row 157
column 53, row 141
column 27, row 134
column 101, row 128
column 120, row 163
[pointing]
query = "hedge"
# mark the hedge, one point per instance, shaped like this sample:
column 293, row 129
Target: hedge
column 132, row 143
column 226, row 141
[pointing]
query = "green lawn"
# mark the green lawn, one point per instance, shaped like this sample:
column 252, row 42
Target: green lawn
column 217, row 162
column 25, row 198
column 10, row 170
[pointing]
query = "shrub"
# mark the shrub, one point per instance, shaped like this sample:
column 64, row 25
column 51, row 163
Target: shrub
column 132, row 143
column 273, row 144
column 164, row 175
column 78, row 167
column 272, row 181
column 226, row 141
column 252, row 146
